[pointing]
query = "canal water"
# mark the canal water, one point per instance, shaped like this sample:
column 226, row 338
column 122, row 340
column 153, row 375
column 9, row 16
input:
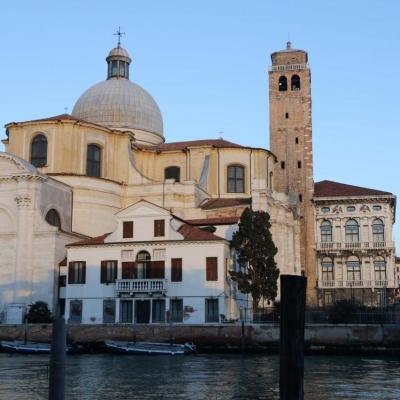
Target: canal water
column 198, row 377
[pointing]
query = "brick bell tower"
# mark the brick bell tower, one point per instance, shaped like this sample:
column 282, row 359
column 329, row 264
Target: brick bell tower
column 291, row 142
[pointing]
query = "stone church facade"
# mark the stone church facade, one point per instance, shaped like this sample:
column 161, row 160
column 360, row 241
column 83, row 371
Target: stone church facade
column 64, row 179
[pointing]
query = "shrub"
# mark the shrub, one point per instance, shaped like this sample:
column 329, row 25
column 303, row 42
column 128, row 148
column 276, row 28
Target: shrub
column 39, row 313
column 342, row 311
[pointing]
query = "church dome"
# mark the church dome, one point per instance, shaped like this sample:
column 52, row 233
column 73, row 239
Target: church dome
column 118, row 103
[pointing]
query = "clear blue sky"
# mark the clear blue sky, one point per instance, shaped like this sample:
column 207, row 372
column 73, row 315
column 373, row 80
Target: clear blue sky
column 206, row 63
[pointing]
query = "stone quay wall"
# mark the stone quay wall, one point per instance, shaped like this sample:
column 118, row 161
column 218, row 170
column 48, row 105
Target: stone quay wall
column 219, row 337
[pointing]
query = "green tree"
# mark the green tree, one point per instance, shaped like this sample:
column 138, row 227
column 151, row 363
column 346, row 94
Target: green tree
column 256, row 250
column 39, row 313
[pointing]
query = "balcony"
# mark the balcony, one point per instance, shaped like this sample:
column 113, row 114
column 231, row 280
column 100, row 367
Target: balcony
column 331, row 284
column 132, row 286
column 338, row 246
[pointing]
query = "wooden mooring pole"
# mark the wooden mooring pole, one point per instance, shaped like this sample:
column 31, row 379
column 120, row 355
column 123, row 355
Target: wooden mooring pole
column 293, row 302
column 57, row 360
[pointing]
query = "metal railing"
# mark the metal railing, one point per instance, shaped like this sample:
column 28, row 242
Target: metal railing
column 141, row 285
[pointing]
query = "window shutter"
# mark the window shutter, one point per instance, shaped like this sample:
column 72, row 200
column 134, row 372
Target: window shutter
column 115, row 271
column 103, row 273
column 83, row 272
column 159, row 227
column 127, row 229
column 70, row 272
column 157, row 270
column 129, row 270
column 211, row 269
column 176, row 269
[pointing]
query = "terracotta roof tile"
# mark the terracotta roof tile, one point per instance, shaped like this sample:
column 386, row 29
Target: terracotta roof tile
column 336, row 189
column 191, row 233
column 95, row 240
column 63, row 263
column 214, row 221
column 219, row 143
column 219, row 203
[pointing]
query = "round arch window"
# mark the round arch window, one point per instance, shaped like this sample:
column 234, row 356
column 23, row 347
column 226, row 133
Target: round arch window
column 53, row 218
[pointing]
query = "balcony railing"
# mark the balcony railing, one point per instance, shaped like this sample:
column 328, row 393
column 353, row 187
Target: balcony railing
column 336, row 246
column 356, row 284
column 141, row 286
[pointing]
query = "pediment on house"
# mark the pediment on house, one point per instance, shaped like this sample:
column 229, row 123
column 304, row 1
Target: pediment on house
column 143, row 208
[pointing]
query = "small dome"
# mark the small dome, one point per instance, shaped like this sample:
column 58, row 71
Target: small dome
column 118, row 52
column 120, row 104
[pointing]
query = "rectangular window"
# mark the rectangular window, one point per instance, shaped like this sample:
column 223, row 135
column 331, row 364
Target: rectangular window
column 159, row 254
column 109, row 270
column 62, row 281
column 328, row 298
column 158, row 311
column 127, row 255
column 126, row 311
column 157, row 270
column 211, row 269
column 127, row 229
column 75, row 311
column 159, row 227
column 129, row 270
column 77, row 272
column 176, row 269
column 61, row 303
column 298, row 164
column 212, row 310
column 176, row 310
column 108, row 311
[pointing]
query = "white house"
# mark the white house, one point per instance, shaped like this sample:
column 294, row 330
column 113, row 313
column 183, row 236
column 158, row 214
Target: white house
column 153, row 268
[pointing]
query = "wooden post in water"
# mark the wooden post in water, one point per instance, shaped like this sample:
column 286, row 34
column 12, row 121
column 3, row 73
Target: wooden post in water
column 293, row 302
column 57, row 360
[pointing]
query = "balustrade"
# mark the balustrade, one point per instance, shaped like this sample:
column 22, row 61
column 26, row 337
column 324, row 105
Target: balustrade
column 141, row 285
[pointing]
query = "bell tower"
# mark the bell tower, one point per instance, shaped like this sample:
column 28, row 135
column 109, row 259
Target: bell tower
column 291, row 142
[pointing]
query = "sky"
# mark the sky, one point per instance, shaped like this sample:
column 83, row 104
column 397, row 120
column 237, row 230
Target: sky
column 206, row 62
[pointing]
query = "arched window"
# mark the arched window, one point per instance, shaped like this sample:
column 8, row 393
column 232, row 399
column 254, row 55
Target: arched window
column 352, row 231
column 282, row 84
column 295, row 82
column 143, row 265
column 172, row 173
column 326, row 231
column 235, row 179
column 327, row 269
column 378, row 230
column 380, row 269
column 53, row 218
column 39, row 151
column 353, row 269
column 93, row 160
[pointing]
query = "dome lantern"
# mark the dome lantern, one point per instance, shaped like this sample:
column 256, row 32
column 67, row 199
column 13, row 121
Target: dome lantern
column 118, row 61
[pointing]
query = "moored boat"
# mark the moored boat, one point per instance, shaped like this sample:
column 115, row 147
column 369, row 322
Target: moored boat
column 19, row 346
column 149, row 348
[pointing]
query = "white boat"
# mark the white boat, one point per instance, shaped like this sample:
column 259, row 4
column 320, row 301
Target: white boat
column 19, row 346
column 149, row 348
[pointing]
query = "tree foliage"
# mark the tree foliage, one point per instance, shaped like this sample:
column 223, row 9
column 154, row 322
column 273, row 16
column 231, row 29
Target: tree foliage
column 256, row 250
column 39, row 313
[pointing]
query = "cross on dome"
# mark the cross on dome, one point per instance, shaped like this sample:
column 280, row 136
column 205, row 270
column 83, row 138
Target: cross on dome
column 119, row 34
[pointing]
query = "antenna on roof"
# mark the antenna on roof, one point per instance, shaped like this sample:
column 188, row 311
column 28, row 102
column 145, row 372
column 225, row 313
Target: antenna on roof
column 65, row 110
column 119, row 34
column 220, row 134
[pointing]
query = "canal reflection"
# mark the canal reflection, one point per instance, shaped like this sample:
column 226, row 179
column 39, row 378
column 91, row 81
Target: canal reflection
column 210, row 376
